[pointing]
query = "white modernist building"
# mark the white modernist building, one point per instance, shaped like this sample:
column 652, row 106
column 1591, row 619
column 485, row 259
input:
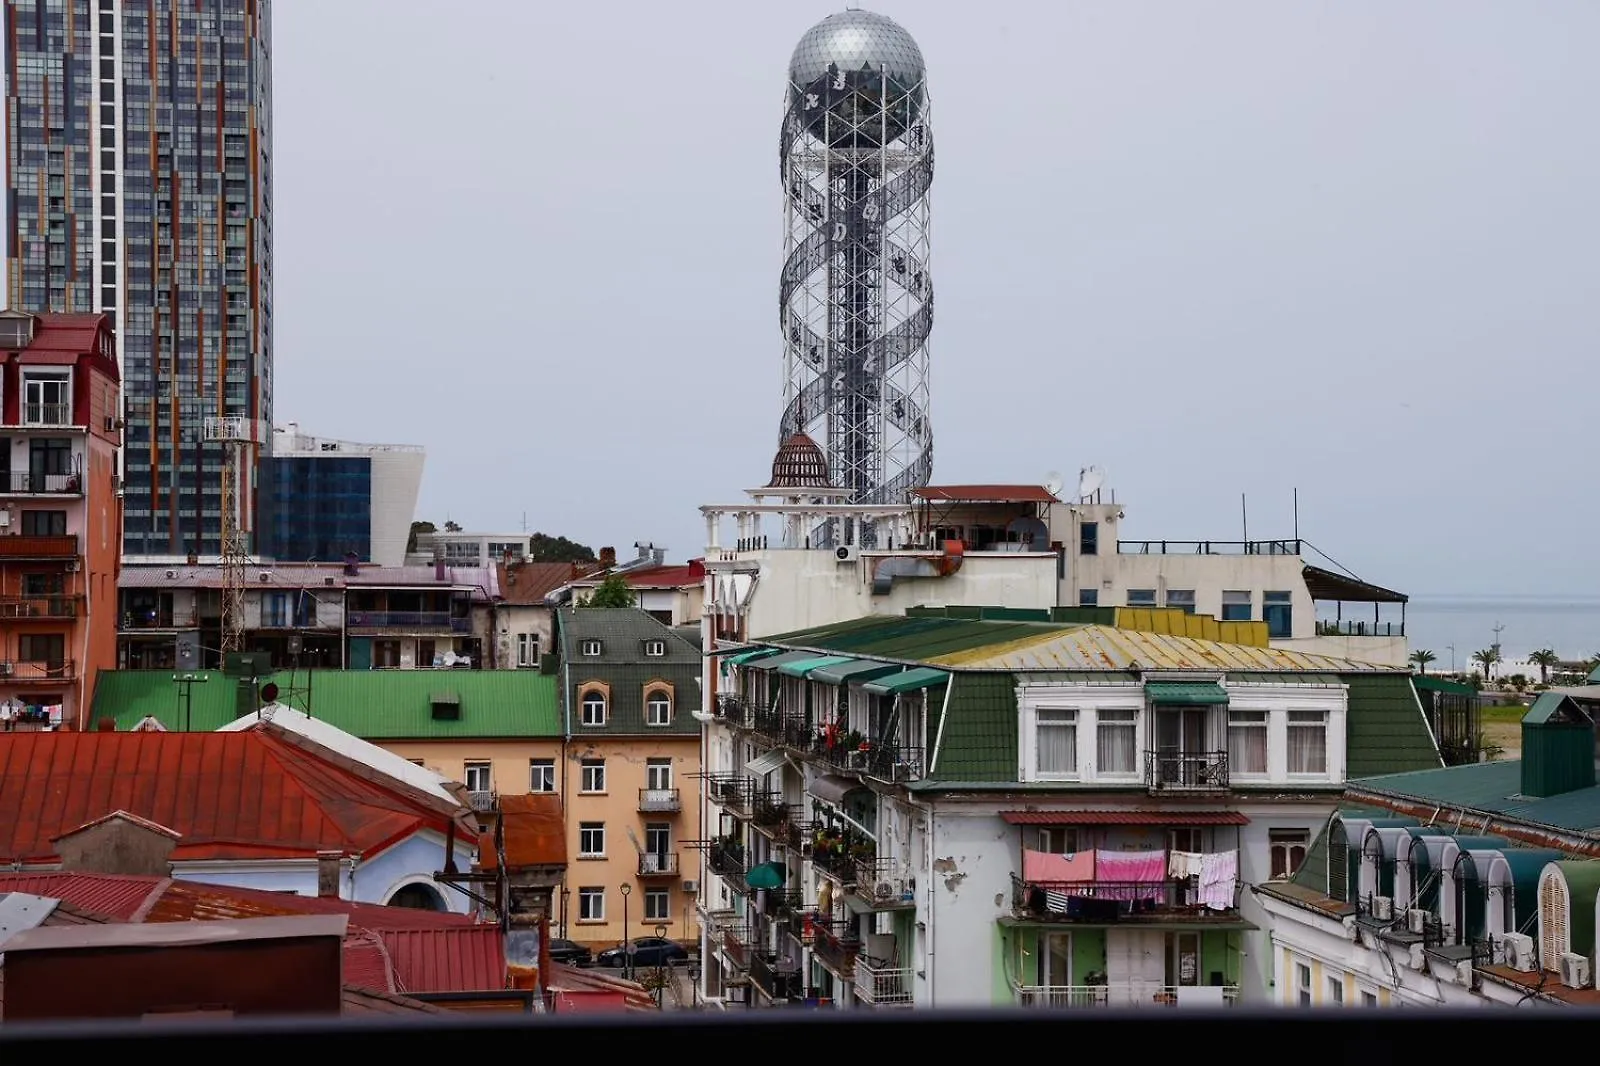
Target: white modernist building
column 396, row 482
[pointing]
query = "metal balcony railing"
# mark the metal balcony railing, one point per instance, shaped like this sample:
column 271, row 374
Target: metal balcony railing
column 836, row 945
column 652, row 864
column 1208, row 547
column 1186, row 770
column 884, row 883
column 47, row 414
column 1125, row 995
column 660, row 800
column 1099, row 901
column 889, row 986
column 799, row 836
column 733, row 710
column 408, row 620
column 39, row 607
column 841, row 858
column 728, row 789
column 37, row 670
column 780, row 903
column 736, row 946
column 726, row 859
column 34, row 546
column 778, row 977
column 767, row 812
column 889, row 762
column 483, row 800
column 69, row 484
column 160, row 620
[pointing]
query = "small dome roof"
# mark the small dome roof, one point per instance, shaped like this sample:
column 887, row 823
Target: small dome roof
column 853, row 40
column 799, row 464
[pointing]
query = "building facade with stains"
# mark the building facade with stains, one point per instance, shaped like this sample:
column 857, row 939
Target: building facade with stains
column 139, row 184
column 963, row 807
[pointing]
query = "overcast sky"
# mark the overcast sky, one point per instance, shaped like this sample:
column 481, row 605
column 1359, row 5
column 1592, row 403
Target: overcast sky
column 1214, row 248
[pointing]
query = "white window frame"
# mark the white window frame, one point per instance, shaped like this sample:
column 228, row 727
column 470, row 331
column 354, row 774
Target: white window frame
column 590, row 648
column 541, row 772
column 1058, row 718
column 479, row 776
column 1304, row 994
column 1277, row 700
column 657, row 774
column 591, row 904
column 655, row 649
column 1087, row 700
column 1137, row 771
column 592, row 699
column 1264, row 726
column 525, row 642
column 1279, row 840
column 657, row 905
column 1290, row 726
column 652, row 702
column 30, row 375
column 592, row 777
column 589, row 835
column 1335, row 990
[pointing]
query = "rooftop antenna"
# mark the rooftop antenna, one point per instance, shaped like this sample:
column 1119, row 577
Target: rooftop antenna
column 1090, row 478
column 1053, row 482
column 1498, row 629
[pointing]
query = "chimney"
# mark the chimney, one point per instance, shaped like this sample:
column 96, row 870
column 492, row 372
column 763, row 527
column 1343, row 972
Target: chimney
column 608, row 558
column 328, row 874
column 106, row 725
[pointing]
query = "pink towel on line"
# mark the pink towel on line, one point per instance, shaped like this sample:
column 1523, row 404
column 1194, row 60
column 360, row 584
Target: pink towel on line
column 1041, row 867
column 1129, row 872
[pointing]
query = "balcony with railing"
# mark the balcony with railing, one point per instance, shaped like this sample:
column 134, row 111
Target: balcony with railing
column 27, row 483
column 884, row 884
column 29, row 546
column 798, row 836
column 658, row 864
column 736, row 946
column 726, row 858
column 778, row 978
column 483, row 800
column 883, row 986
column 780, row 903
column 857, row 754
column 835, row 944
column 1166, row 900
column 1186, row 771
column 660, row 801
column 37, row 670
column 1208, row 547
column 415, row 621
column 730, row 790
column 733, row 710
column 838, row 853
column 160, row 619
column 47, row 414
column 39, row 606
column 1126, row 995
column 770, row 813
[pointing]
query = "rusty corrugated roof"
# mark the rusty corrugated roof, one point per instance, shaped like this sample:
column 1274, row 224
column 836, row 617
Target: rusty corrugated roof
column 529, row 583
column 188, row 901
column 535, row 833
column 241, row 795
column 1167, row 817
column 1107, row 648
column 366, row 1001
column 986, row 494
column 114, row 896
column 565, row 978
column 365, row 962
column 466, row 959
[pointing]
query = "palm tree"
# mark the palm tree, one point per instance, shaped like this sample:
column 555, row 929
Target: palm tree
column 1544, row 659
column 1487, row 657
column 1421, row 658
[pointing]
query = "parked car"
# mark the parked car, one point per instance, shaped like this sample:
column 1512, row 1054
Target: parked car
column 569, row 952
column 646, row 951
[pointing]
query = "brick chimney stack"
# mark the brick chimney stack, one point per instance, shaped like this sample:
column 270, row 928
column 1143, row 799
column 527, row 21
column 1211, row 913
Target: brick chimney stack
column 328, row 874
column 608, row 558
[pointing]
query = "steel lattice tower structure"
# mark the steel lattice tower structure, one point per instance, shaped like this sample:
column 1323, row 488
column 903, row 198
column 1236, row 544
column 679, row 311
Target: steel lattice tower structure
column 855, row 299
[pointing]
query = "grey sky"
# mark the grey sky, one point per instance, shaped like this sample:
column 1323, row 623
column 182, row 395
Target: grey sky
column 1213, row 247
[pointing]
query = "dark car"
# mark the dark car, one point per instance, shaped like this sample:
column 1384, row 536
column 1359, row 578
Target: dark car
column 569, row 952
column 647, row 951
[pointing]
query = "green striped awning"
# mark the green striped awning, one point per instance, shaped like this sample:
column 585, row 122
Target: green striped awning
column 854, row 672
column 907, row 681
column 772, row 662
column 749, row 655
column 1185, row 692
column 805, row 666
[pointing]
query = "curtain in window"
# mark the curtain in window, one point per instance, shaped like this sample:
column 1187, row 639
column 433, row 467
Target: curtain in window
column 1247, row 742
column 1114, row 742
column 1308, row 742
column 1057, row 742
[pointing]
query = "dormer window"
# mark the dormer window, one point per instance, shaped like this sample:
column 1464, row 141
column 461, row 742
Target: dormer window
column 655, row 649
column 590, row 648
column 47, row 397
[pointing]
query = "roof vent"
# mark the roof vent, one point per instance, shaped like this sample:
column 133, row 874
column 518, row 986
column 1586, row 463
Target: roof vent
column 445, row 706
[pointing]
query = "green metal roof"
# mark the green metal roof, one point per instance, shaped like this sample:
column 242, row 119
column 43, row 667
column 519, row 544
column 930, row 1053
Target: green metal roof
column 371, row 704
column 1493, row 788
column 749, row 655
column 907, row 681
column 1526, row 864
column 853, row 671
column 1185, row 692
column 1429, row 683
column 772, row 662
column 1554, row 708
column 974, row 730
column 1583, row 883
column 804, row 667
column 1385, row 730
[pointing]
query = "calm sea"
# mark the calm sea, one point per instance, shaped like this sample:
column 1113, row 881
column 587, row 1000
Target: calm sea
column 1569, row 624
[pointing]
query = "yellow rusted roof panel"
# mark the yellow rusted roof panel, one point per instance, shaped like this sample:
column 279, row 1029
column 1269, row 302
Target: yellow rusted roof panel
column 1110, row 648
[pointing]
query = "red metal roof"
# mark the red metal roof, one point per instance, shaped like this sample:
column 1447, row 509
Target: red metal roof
column 535, row 833
column 668, row 577
column 62, row 339
column 580, row 990
column 469, row 959
column 365, row 961
column 986, row 494
column 367, row 1001
column 112, row 895
column 234, row 795
column 186, row 901
column 530, row 583
column 1124, row 818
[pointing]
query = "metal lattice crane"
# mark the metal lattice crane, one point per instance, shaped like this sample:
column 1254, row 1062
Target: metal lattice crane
column 235, row 434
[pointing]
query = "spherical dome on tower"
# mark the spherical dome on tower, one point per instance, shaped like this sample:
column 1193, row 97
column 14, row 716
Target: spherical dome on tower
column 799, row 464
column 853, row 40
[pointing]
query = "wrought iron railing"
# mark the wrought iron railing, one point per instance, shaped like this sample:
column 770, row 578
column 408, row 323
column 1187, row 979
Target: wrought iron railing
column 884, row 883
column 408, row 620
column 883, row 987
column 1102, row 900
column 799, row 836
column 39, row 607
column 734, row 710
column 726, row 858
column 736, row 945
column 768, row 812
column 68, row 484
column 780, row 903
column 653, row 864
column 841, row 861
column 1125, row 995
column 1198, row 770
column 660, row 800
column 728, row 789
column 890, row 762
column 483, row 800
column 836, row 945
column 777, row 977
column 37, row 669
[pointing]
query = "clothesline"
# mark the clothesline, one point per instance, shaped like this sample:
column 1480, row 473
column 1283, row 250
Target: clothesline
column 1135, row 875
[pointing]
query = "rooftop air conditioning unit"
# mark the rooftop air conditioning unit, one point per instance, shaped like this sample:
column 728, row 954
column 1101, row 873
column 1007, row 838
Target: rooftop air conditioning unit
column 691, row 887
column 847, row 553
column 1574, row 970
column 1416, row 920
column 1519, row 952
column 264, row 577
column 1382, row 908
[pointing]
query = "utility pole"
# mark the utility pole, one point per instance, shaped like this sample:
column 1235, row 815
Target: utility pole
column 187, row 682
column 233, row 432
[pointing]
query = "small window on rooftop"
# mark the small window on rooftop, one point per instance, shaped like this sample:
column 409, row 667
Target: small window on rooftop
column 446, row 706
column 1089, row 538
column 655, row 648
column 589, row 648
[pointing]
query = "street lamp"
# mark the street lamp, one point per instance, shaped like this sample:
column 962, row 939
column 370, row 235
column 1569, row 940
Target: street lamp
column 663, row 969
column 693, row 973
column 627, row 947
column 565, row 892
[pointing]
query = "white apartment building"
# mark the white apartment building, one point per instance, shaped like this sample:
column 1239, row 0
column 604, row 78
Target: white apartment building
column 390, row 475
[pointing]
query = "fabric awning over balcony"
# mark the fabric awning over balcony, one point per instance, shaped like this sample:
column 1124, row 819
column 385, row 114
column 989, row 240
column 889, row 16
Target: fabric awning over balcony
column 765, row 763
column 907, row 681
column 772, row 662
column 1188, row 693
column 831, row 787
column 805, row 666
column 854, row 671
column 749, row 655
column 766, row 875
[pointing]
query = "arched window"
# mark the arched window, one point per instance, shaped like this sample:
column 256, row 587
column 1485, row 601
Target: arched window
column 1338, row 860
column 594, row 707
column 1555, row 929
column 658, row 706
column 418, row 896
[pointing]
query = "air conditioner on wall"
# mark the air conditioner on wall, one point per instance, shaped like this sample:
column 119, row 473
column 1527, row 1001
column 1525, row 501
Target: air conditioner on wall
column 691, row 887
column 1519, row 952
column 1382, row 908
column 1574, row 970
column 846, row 553
column 1416, row 920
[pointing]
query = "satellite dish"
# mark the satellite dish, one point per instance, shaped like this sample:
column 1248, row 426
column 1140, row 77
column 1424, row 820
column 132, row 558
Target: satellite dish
column 1090, row 478
column 1053, row 482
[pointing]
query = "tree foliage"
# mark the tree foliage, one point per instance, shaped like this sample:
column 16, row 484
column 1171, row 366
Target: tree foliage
column 614, row 591
column 548, row 549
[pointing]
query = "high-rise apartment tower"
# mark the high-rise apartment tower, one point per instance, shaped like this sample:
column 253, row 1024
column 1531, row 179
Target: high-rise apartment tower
column 139, row 183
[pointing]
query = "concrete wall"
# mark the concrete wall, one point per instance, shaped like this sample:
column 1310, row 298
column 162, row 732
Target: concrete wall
column 513, row 619
column 508, row 759
column 1386, row 651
